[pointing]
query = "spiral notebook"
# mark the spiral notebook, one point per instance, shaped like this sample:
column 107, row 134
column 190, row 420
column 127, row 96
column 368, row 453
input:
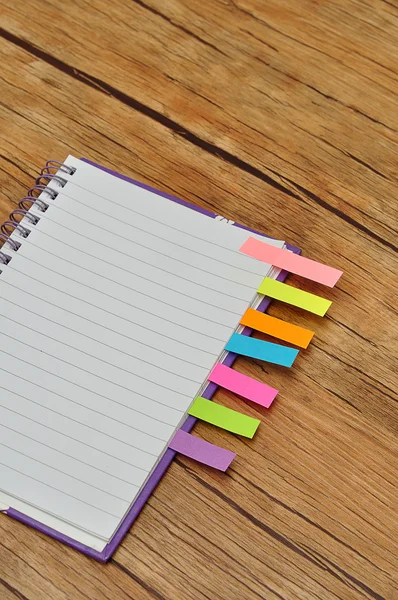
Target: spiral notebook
column 117, row 301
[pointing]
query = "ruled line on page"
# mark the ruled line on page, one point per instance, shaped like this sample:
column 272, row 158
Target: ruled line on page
column 10, row 266
column 77, row 459
column 152, row 219
column 56, row 516
column 46, row 408
column 127, row 500
column 127, row 471
column 95, row 392
column 107, row 231
column 95, row 296
column 94, row 322
column 62, row 433
column 127, row 460
column 75, row 420
column 119, row 268
column 112, row 313
column 141, row 214
column 94, row 374
column 24, row 308
column 67, row 483
column 88, row 238
column 205, row 330
column 63, row 462
column 196, row 292
column 92, row 355
column 39, row 214
column 90, row 409
column 58, row 490
column 237, row 314
column 131, row 446
column 154, row 277
column 89, row 180
column 95, row 448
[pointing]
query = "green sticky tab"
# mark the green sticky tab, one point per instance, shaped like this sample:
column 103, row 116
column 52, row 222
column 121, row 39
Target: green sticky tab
column 290, row 295
column 224, row 417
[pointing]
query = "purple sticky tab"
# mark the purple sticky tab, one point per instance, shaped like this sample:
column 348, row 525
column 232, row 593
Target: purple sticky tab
column 202, row 451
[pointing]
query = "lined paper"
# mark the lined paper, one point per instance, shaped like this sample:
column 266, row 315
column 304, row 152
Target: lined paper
column 114, row 310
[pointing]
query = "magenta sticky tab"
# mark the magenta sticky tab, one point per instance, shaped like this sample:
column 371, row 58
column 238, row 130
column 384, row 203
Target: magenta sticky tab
column 242, row 385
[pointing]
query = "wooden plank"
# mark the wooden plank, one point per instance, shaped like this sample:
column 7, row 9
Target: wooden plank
column 308, row 509
column 33, row 566
column 313, row 79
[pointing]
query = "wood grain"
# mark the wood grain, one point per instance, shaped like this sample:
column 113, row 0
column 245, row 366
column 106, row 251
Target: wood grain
column 280, row 115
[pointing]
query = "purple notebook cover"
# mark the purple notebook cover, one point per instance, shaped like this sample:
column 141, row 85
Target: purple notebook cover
column 168, row 456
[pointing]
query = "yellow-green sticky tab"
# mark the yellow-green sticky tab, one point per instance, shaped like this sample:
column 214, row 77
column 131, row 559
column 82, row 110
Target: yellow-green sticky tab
column 224, row 417
column 290, row 295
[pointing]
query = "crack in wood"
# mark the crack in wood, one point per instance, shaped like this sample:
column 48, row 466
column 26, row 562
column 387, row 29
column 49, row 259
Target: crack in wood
column 319, row 561
column 13, row 590
column 182, row 131
column 134, row 576
column 180, row 27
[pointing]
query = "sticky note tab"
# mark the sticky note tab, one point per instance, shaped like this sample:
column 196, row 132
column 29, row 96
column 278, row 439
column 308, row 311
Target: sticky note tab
column 244, row 386
column 294, row 263
column 274, row 353
column 224, row 417
column 277, row 328
column 290, row 295
column 202, row 451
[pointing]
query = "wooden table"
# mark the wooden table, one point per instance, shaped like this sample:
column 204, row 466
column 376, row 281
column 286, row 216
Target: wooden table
column 280, row 114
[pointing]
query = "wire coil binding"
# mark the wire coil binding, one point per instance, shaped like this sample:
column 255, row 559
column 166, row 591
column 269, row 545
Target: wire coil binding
column 12, row 224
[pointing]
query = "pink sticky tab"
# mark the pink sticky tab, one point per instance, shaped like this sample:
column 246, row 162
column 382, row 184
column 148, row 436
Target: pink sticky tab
column 294, row 263
column 244, row 386
column 202, row 451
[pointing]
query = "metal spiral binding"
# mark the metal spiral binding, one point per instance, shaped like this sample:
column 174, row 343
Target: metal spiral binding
column 58, row 166
column 13, row 224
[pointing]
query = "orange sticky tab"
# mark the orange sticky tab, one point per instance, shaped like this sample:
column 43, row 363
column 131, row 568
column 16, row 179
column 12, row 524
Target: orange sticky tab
column 277, row 328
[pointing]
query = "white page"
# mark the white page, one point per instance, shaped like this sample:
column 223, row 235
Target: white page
column 115, row 308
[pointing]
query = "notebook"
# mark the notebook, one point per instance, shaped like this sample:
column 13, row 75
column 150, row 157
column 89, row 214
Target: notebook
column 117, row 302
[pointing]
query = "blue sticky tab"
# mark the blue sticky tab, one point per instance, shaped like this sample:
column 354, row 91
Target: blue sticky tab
column 273, row 353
